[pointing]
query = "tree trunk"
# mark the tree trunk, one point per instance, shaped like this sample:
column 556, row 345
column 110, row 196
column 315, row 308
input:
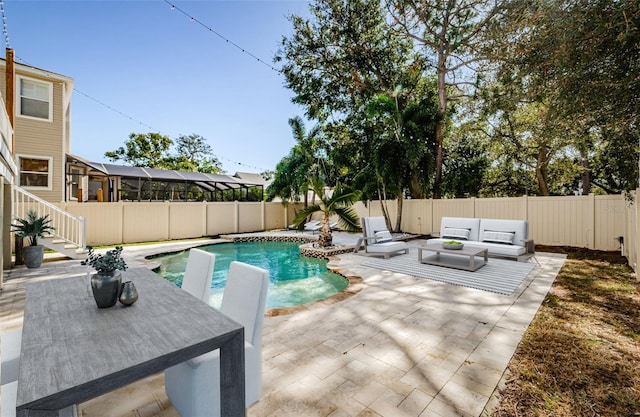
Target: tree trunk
column 442, row 112
column 415, row 191
column 326, row 238
column 586, row 175
column 542, row 171
column 437, row 181
column 399, row 214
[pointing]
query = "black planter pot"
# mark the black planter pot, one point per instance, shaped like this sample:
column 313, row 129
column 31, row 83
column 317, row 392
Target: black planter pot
column 106, row 288
column 33, row 256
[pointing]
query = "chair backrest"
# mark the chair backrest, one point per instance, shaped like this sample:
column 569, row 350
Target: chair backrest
column 371, row 225
column 245, row 298
column 198, row 274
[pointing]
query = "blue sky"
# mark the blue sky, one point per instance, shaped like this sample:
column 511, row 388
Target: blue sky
column 155, row 65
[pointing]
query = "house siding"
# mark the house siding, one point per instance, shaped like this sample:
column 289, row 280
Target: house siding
column 43, row 138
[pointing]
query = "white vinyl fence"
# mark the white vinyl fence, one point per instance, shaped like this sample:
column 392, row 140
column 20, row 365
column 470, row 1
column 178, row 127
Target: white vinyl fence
column 594, row 222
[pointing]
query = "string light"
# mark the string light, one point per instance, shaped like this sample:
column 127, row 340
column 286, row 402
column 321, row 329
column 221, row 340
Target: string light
column 113, row 109
column 227, row 40
column 5, row 31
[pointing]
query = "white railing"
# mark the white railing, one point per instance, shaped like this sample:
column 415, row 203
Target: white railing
column 70, row 228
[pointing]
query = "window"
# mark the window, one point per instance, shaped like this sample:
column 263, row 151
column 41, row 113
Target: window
column 35, row 98
column 35, row 172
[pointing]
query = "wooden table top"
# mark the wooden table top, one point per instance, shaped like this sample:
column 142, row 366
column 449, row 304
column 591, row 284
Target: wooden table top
column 73, row 351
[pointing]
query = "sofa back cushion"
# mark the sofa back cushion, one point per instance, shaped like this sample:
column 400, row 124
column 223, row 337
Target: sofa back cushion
column 448, row 226
column 504, row 231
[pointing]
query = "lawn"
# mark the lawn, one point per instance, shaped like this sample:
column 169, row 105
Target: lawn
column 580, row 355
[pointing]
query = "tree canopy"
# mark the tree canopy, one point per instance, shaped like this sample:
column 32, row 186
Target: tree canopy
column 153, row 150
column 468, row 97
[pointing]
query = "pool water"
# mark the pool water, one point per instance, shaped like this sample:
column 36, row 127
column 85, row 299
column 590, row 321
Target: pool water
column 294, row 279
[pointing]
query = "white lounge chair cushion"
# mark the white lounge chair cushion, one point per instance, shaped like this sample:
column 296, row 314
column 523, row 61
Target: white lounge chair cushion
column 383, row 236
column 10, row 345
column 386, row 247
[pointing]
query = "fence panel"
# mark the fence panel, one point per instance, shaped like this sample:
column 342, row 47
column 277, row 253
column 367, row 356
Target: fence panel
column 250, row 216
column 454, row 207
column 417, row 217
column 609, row 220
column 104, row 221
column 510, row 208
column 561, row 221
column 187, row 220
column 222, row 218
column 274, row 215
column 144, row 222
column 631, row 246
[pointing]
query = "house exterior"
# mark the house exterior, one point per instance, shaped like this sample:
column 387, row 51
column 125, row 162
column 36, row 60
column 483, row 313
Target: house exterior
column 42, row 122
column 8, row 171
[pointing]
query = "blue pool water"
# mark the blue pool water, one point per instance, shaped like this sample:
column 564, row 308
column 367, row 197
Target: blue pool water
column 294, row 279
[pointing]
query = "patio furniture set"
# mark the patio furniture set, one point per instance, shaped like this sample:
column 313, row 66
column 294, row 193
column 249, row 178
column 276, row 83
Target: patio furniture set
column 69, row 351
column 477, row 240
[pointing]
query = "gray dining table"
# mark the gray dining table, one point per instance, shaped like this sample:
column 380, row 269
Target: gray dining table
column 73, row 351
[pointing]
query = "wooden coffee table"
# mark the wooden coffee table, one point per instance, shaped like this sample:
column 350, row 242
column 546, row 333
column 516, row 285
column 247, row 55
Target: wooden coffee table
column 464, row 258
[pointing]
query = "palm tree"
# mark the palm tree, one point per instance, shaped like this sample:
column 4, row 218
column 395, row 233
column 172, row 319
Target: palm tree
column 338, row 203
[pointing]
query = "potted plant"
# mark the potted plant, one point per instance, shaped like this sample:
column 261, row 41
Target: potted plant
column 32, row 228
column 106, row 282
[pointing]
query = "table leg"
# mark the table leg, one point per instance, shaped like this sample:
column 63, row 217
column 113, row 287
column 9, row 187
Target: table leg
column 232, row 379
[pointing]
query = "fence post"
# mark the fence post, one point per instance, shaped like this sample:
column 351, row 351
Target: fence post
column 637, row 232
column 592, row 208
column 237, row 217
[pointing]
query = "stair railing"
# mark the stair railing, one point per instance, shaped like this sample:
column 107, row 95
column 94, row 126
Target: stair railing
column 72, row 229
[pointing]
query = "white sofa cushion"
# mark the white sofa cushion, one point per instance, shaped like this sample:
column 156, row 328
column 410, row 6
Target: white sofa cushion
column 519, row 228
column 498, row 237
column 456, row 233
column 473, row 225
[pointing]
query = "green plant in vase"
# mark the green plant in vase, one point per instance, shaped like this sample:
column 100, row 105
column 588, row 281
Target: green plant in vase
column 106, row 282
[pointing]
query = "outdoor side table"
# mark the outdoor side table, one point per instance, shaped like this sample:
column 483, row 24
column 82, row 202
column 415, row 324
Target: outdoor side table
column 73, row 351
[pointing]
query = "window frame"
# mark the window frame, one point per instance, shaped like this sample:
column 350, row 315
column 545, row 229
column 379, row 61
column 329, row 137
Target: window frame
column 49, row 85
column 49, row 160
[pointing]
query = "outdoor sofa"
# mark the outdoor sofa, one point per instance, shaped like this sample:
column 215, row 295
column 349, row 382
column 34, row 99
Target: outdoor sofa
column 502, row 238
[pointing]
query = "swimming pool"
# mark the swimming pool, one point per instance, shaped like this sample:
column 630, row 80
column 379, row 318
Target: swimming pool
column 294, row 279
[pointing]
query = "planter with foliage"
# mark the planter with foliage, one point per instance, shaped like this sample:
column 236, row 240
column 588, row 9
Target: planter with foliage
column 32, row 228
column 106, row 282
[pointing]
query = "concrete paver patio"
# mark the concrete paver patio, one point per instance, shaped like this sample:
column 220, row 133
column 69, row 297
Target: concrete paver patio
column 402, row 346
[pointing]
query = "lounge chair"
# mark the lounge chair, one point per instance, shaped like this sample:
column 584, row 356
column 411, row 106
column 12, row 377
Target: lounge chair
column 377, row 239
column 313, row 226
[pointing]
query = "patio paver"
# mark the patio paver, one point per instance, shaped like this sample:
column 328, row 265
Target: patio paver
column 403, row 346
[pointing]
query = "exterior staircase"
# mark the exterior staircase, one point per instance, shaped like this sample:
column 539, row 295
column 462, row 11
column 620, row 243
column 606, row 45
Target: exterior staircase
column 69, row 237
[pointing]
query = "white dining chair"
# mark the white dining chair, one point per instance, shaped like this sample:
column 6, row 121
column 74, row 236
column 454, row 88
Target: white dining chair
column 10, row 345
column 193, row 386
column 198, row 274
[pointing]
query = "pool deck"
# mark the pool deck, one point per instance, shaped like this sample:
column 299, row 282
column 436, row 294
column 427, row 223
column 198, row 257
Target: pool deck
column 401, row 346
